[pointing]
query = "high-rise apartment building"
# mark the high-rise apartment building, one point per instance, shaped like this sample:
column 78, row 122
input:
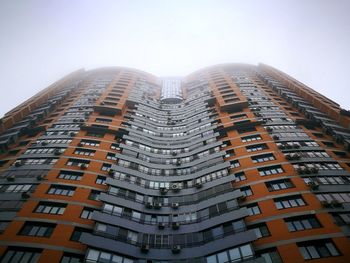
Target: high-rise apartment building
column 233, row 163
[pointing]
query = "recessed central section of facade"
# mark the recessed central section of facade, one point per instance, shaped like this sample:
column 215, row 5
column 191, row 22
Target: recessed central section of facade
column 171, row 90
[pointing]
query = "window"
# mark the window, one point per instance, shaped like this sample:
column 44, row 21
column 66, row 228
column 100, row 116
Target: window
column 3, row 225
column 40, row 151
column 270, row 170
column 61, row 190
column 279, row 185
column 245, row 130
column 261, row 230
column 240, row 176
column 232, row 255
column 90, row 143
column 94, row 256
column 329, row 180
column 16, row 188
column 86, row 152
column 328, row 144
column 77, row 233
column 37, row 229
column 270, row 255
column 299, row 223
column 70, row 175
column 229, row 153
column 132, row 236
column 78, row 162
column 101, row 180
column 39, row 161
column 256, row 147
column 253, row 209
column 72, row 258
column 315, row 154
column 247, row 191
column 115, row 146
column 106, row 167
column 103, row 120
column 334, row 198
column 124, row 163
column 23, row 255
column 342, row 218
column 318, row 249
column 251, row 138
column 87, row 213
column 112, row 209
column 23, row 143
column 95, row 134
column 94, row 195
column 311, row 144
column 314, row 167
column 111, row 156
column 235, row 164
column 288, row 202
column 53, row 141
column 50, row 208
column 263, row 158
column 239, row 116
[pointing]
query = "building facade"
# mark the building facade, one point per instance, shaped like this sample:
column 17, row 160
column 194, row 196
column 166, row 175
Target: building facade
column 233, row 163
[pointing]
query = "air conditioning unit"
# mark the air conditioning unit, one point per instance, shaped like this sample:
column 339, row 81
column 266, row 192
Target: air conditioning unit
column 161, row 225
column 198, row 184
column 25, row 195
column 144, row 248
column 242, row 198
column 157, row 205
column 57, row 152
column 18, row 163
column 314, row 170
column 175, row 225
column 335, row 203
column 175, row 205
column 288, row 145
column 163, row 190
column 176, row 249
column 149, row 204
column 282, row 146
column 326, row 204
column 295, row 156
column 175, row 187
column 83, row 166
column 40, row 177
column 289, row 157
column 313, row 185
column 301, row 170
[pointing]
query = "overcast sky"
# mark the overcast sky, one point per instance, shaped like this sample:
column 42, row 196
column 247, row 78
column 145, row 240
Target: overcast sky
column 41, row 41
